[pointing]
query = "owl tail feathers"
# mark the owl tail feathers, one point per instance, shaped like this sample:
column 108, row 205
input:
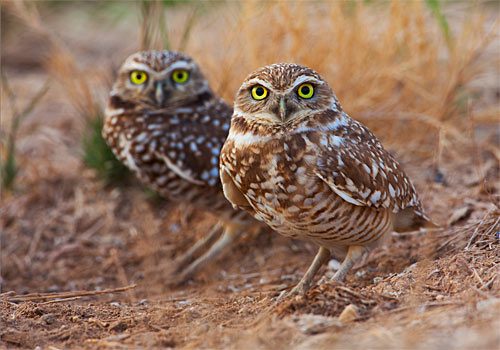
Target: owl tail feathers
column 410, row 220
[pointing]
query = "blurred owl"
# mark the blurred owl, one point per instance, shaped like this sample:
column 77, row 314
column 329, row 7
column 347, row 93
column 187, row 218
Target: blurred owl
column 296, row 161
column 166, row 125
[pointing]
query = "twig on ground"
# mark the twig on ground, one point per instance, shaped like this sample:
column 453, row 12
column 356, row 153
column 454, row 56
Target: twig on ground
column 60, row 300
column 64, row 295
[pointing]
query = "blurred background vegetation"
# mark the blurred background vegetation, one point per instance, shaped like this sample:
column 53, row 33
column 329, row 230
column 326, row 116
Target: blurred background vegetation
column 418, row 73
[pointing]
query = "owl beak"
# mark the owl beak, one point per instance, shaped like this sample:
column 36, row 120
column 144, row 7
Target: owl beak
column 159, row 95
column 282, row 107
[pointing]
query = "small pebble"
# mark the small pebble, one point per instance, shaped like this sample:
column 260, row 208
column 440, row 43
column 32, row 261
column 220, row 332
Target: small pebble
column 333, row 265
column 183, row 302
column 48, row 318
column 360, row 274
column 314, row 324
column 174, row 228
column 349, row 314
column 53, row 288
column 118, row 326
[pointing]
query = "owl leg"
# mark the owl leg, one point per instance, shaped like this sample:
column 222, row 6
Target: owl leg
column 226, row 239
column 305, row 283
column 354, row 253
column 200, row 245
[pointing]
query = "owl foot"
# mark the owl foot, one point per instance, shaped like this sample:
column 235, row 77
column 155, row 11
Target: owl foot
column 305, row 283
column 182, row 275
column 188, row 257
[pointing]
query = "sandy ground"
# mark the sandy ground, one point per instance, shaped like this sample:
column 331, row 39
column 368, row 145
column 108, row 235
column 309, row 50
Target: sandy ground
column 64, row 234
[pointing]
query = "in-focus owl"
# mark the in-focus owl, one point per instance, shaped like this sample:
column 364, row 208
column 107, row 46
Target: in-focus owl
column 296, row 161
column 165, row 123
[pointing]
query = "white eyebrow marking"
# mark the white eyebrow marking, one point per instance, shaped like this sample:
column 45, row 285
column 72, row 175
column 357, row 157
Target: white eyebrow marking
column 178, row 65
column 137, row 66
column 303, row 78
column 255, row 81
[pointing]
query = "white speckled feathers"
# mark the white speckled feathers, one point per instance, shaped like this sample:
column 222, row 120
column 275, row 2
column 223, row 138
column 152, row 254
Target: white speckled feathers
column 357, row 168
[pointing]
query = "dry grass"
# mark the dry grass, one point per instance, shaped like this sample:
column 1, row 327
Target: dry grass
column 399, row 71
column 405, row 77
column 63, row 66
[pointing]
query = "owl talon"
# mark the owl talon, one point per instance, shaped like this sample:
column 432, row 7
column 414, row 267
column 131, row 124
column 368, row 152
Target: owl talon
column 299, row 290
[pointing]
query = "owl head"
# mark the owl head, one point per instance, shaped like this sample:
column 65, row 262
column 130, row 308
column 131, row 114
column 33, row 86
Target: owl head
column 282, row 93
column 158, row 79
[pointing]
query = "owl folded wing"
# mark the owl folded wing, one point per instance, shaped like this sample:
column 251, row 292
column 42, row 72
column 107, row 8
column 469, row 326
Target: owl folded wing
column 179, row 170
column 363, row 173
column 194, row 162
column 232, row 193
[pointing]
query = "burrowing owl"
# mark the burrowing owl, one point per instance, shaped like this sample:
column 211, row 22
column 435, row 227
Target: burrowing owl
column 164, row 122
column 298, row 162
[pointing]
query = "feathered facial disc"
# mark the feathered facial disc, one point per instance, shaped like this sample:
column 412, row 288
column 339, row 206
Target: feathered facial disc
column 280, row 93
column 160, row 79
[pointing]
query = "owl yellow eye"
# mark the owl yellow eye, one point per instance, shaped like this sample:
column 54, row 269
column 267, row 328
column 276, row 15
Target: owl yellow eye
column 180, row 76
column 306, row 91
column 259, row 92
column 138, row 77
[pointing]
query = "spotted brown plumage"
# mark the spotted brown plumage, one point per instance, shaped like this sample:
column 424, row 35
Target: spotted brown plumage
column 304, row 167
column 169, row 132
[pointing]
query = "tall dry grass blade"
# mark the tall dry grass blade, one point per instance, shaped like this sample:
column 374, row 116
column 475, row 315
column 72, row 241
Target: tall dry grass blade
column 188, row 27
column 8, row 163
column 153, row 26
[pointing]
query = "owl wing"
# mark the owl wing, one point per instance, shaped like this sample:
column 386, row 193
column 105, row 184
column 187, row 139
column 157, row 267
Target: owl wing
column 180, row 170
column 189, row 156
column 231, row 191
column 191, row 148
column 352, row 161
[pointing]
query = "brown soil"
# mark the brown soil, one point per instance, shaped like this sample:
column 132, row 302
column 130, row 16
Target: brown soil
column 64, row 233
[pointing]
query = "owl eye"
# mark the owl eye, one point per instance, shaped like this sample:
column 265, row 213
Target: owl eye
column 305, row 91
column 180, row 76
column 138, row 77
column 259, row 92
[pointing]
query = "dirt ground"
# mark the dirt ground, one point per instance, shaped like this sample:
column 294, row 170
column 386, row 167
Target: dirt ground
column 84, row 265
